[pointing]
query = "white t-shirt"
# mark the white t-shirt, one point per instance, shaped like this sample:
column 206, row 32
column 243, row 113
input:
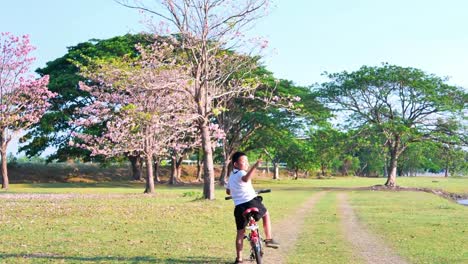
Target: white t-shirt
column 241, row 191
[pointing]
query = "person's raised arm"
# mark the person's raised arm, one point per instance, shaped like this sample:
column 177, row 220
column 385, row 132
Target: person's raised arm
column 251, row 172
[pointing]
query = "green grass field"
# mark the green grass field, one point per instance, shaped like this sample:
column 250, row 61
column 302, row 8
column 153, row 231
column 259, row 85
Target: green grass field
column 420, row 226
column 454, row 185
column 173, row 226
column 322, row 240
column 116, row 223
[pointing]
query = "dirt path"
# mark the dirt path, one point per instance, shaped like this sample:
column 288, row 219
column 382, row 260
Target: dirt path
column 365, row 245
column 287, row 232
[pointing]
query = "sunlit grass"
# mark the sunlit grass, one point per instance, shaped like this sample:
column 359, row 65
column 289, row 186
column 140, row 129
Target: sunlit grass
column 450, row 184
column 173, row 226
column 80, row 188
column 455, row 185
column 114, row 222
column 322, row 239
column 420, row 226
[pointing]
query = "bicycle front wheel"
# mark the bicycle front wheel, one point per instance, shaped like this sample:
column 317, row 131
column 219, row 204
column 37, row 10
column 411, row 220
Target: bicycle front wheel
column 257, row 250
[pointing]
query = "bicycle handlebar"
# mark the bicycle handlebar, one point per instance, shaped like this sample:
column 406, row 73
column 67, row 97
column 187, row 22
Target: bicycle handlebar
column 263, row 191
column 257, row 192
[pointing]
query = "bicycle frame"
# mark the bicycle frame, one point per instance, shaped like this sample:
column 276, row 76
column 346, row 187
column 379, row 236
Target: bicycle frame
column 255, row 240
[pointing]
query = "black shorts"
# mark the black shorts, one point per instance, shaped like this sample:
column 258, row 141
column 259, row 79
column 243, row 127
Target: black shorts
column 241, row 222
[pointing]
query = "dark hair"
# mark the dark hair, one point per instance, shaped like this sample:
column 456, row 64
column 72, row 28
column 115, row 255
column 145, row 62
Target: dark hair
column 237, row 155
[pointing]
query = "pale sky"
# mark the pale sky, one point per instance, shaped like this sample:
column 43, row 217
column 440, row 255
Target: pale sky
column 307, row 37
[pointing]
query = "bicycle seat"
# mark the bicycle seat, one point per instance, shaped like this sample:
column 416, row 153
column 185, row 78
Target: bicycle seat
column 253, row 211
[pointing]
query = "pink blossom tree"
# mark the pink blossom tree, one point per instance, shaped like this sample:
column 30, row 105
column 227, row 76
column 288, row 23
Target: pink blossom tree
column 142, row 103
column 189, row 140
column 207, row 29
column 23, row 99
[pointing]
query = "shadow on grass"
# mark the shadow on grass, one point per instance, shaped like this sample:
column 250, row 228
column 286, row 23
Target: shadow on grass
column 85, row 185
column 111, row 184
column 112, row 259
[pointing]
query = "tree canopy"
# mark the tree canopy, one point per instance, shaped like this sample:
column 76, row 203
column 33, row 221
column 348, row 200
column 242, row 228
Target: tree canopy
column 54, row 129
column 403, row 104
column 23, row 99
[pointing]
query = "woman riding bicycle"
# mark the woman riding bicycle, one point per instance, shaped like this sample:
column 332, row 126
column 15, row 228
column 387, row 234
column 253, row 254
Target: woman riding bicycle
column 243, row 194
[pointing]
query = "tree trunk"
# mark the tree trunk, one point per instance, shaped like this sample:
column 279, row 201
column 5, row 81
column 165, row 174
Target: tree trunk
column 227, row 160
column 446, row 174
column 276, row 171
column 173, row 178
column 395, row 149
column 157, row 170
column 179, row 169
column 296, row 172
column 5, row 182
column 323, row 168
column 346, row 165
column 223, row 175
column 199, row 167
column 208, row 167
column 137, row 167
column 392, row 170
column 149, row 174
column 267, row 168
column 224, row 172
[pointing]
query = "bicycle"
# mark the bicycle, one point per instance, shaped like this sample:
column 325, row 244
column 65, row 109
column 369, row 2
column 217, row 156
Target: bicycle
column 254, row 237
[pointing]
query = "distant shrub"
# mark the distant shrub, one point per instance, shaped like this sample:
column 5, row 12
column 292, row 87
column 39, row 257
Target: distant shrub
column 12, row 161
column 192, row 194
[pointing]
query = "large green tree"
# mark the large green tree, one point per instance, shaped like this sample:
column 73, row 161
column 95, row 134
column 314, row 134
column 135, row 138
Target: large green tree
column 275, row 105
column 327, row 144
column 298, row 155
column 54, row 129
column 433, row 157
column 272, row 141
column 403, row 104
column 366, row 145
column 420, row 157
column 283, row 125
column 453, row 159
